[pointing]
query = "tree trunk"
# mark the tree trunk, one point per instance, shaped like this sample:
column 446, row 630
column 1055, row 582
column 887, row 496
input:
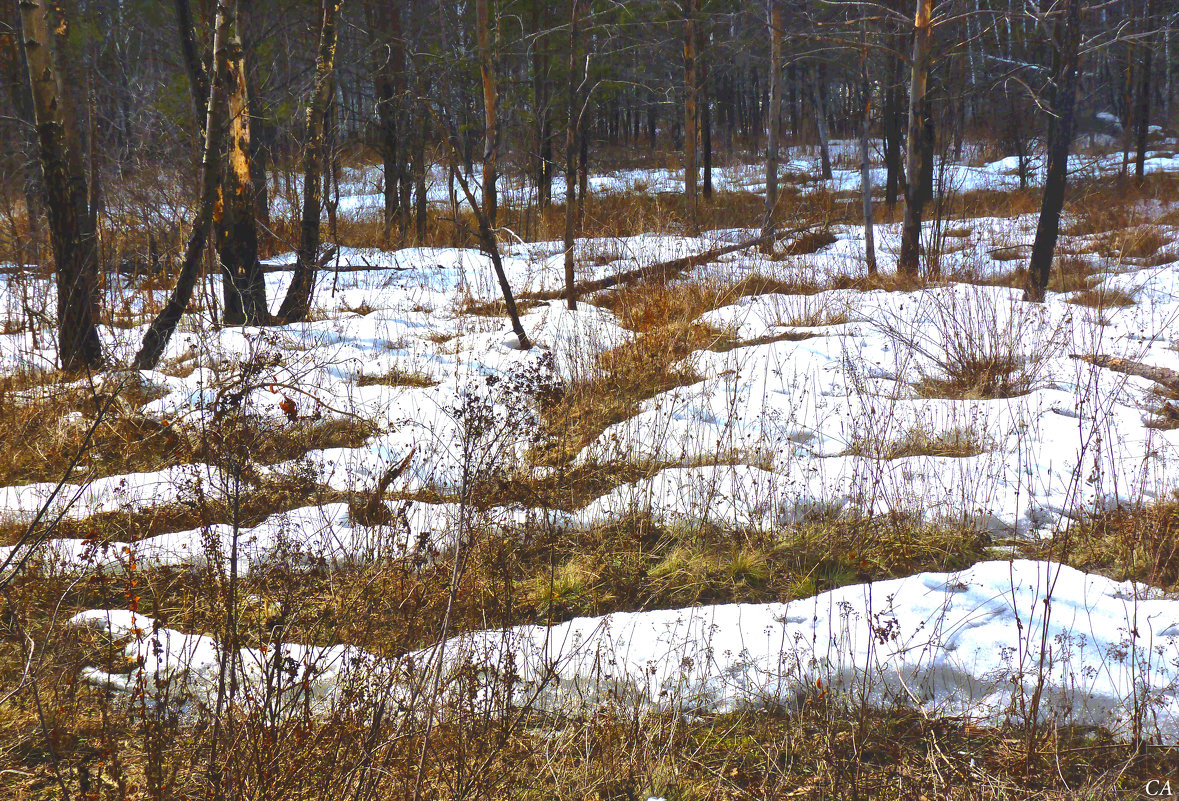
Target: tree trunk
column 164, row 325
column 297, row 302
column 388, row 83
column 690, row 122
column 892, row 137
column 571, row 127
column 542, row 92
column 1060, row 134
column 915, row 166
column 198, row 81
column 1142, row 114
column 865, row 165
column 243, row 283
column 705, row 115
column 771, row 201
column 71, row 224
column 820, row 97
column 483, row 34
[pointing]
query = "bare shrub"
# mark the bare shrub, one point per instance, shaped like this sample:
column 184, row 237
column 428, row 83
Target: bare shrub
column 973, row 343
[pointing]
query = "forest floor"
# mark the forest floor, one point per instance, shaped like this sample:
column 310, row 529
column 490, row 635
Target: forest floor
column 765, row 526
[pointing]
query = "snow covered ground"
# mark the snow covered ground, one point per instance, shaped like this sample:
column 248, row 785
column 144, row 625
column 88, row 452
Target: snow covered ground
column 978, row 643
column 794, row 422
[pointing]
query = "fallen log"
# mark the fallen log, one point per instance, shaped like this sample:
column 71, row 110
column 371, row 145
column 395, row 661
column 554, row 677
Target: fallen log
column 661, row 270
column 1163, row 376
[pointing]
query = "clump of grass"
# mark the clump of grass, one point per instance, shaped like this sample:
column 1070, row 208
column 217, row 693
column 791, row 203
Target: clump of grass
column 956, row 443
column 974, row 344
column 1139, row 543
column 756, row 284
column 1102, row 298
column 495, row 308
column 652, row 362
column 639, row 563
column 397, row 377
column 1136, row 242
column 810, row 242
column 1071, row 273
column 997, row 376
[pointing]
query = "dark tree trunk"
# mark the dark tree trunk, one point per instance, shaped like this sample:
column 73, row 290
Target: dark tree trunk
column 164, row 325
column 1060, row 135
column 483, row 35
column 892, row 137
column 865, row 164
column 297, row 302
column 71, row 223
column 243, row 282
column 819, row 94
column 691, row 123
column 1142, row 115
column 771, row 200
column 388, row 80
column 198, row 80
column 542, row 93
column 915, row 150
column 571, row 127
column 705, row 116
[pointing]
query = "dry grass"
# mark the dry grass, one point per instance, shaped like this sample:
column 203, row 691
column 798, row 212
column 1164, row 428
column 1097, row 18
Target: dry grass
column 47, row 428
column 636, row 563
column 397, row 377
column 1135, row 542
column 956, row 443
column 1139, row 242
column 1102, row 298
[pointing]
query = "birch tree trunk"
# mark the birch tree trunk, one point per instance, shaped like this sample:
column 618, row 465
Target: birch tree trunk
column 297, row 302
column 164, row 325
column 915, row 148
column 71, row 223
column 1060, row 135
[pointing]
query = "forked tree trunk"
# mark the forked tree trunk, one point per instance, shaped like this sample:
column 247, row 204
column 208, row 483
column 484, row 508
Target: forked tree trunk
column 71, row 224
column 691, row 125
column 297, row 302
column 571, row 128
column 1060, row 136
column 771, row 201
column 487, row 74
column 164, row 325
column 915, row 149
column 242, row 280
